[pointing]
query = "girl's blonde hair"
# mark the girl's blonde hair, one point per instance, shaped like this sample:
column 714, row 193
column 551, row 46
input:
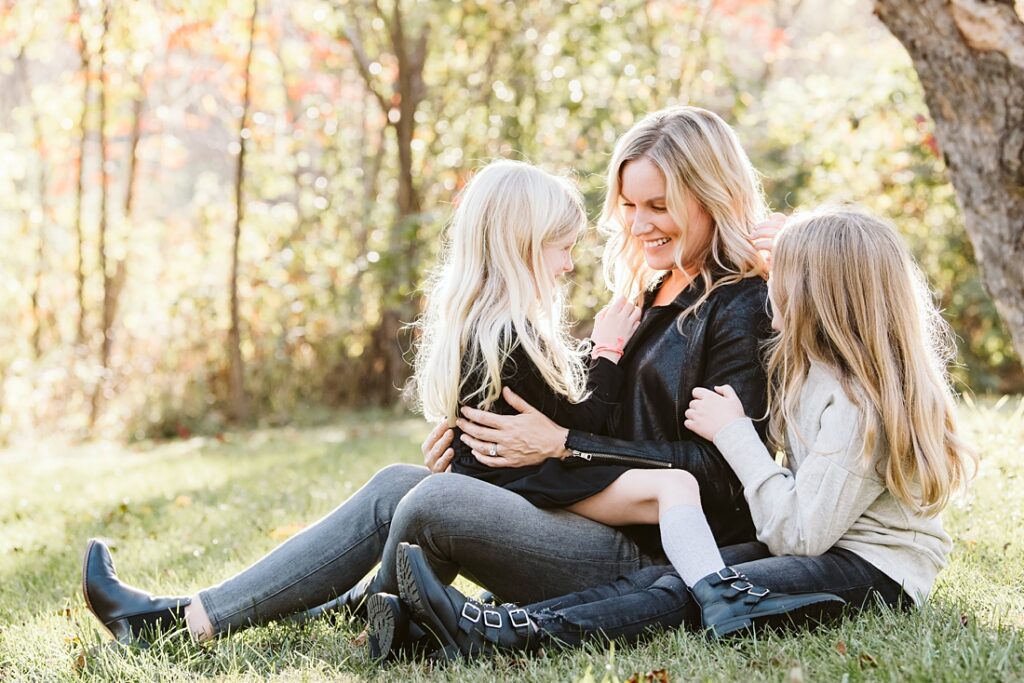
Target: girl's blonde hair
column 851, row 297
column 491, row 291
column 700, row 157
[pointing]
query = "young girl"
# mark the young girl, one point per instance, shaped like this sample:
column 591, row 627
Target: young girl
column 495, row 319
column 861, row 402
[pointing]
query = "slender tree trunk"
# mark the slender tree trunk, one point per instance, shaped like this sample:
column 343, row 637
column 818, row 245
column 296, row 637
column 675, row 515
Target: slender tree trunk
column 107, row 309
column 36, row 223
column 83, row 56
column 239, row 402
column 969, row 57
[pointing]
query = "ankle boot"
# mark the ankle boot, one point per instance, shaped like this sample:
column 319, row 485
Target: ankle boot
column 729, row 603
column 350, row 603
column 463, row 626
column 392, row 633
column 124, row 611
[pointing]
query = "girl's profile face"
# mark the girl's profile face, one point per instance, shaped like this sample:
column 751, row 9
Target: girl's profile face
column 557, row 255
column 642, row 198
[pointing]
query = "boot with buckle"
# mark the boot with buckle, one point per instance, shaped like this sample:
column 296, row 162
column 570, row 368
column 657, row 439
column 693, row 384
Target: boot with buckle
column 464, row 627
column 126, row 612
column 730, row 604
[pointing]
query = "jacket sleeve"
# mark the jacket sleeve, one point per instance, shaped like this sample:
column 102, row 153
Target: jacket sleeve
column 604, row 384
column 733, row 357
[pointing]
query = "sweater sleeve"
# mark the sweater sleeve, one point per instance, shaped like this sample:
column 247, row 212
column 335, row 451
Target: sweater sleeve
column 805, row 513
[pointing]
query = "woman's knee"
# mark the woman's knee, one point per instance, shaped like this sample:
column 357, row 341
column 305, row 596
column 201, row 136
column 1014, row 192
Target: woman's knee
column 400, row 477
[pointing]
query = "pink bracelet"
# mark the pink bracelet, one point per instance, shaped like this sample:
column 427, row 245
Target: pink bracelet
column 606, row 348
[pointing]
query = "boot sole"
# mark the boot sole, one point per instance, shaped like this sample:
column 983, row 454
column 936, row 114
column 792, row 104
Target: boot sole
column 409, row 591
column 823, row 610
column 382, row 624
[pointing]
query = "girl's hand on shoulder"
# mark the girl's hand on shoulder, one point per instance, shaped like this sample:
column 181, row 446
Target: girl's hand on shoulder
column 709, row 411
column 614, row 326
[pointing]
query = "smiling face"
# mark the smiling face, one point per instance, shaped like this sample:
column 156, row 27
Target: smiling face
column 643, row 200
column 557, row 255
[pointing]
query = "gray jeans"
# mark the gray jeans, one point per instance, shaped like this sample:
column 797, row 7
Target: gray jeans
column 496, row 538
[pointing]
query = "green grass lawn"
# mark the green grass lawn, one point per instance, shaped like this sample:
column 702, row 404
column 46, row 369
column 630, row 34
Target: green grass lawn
column 187, row 514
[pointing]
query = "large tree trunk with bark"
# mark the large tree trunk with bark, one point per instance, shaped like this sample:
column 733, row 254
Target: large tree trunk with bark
column 969, row 56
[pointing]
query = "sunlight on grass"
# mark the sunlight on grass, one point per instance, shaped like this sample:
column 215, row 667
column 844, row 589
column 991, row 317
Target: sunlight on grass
column 185, row 514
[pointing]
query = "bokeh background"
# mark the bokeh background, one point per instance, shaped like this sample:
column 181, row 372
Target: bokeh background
column 220, row 211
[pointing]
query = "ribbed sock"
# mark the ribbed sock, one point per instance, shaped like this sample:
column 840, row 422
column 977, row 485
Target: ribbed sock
column 689, row 543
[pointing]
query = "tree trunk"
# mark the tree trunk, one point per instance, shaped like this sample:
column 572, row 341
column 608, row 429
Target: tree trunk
column 969, row 57
column 83, row 55
column 238, row 400
column 108, row 280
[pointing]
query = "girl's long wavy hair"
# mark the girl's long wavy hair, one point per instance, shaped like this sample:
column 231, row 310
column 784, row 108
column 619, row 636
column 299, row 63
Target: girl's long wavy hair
column 491, row 291
column 851, row 297
column 699, row 156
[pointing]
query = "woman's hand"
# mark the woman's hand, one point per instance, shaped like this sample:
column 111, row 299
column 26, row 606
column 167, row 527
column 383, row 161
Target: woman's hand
column 709, row 411
column 528, row 438
column 614, row 326
column 437, row 455
column 764, row 234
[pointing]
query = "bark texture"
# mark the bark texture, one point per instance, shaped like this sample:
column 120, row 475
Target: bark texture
column 969, row 57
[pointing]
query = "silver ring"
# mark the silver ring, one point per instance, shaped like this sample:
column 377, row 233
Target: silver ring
column 494, row 450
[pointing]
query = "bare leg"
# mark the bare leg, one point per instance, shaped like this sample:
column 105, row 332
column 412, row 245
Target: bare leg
column 640, row 497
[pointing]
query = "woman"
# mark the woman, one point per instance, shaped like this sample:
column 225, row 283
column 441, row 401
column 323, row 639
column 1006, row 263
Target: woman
column 704, row 317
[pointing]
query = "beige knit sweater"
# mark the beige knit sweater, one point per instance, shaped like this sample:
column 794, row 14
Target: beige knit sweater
column 828, row 497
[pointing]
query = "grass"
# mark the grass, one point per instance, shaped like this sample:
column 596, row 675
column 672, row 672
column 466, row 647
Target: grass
column 189, row 513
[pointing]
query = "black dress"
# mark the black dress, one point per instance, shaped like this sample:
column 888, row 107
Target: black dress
column 553, row 483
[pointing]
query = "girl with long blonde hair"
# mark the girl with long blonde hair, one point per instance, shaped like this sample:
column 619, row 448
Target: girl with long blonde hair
column 860, row 402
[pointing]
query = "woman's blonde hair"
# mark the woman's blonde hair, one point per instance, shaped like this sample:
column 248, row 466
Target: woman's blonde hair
column 700, row 157
column 851, row 297
column 491, row 291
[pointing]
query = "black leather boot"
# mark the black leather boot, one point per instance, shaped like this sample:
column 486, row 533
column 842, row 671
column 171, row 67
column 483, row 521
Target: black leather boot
column 729, row 603
column 463, row 626
column 392, row 633
column 126, row 612
column 350, row 603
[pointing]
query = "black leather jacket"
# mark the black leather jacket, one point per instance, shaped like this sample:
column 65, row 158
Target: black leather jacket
column 663, row 363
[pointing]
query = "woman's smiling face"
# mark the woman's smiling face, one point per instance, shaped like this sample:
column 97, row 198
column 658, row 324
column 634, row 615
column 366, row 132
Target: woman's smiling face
column 642, row 198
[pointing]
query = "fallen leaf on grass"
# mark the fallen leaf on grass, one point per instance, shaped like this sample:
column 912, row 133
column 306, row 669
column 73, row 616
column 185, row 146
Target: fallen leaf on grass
column 183, row 501
column 964, row 619
column 287, row 531
column 653, row 676
column 841, row 647
column 360, row 640
column 866, row 660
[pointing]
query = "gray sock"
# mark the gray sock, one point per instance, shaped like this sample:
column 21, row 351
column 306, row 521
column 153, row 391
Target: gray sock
column 689, row 544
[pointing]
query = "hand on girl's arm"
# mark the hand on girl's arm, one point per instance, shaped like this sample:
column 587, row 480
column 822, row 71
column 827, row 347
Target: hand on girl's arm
column 709, row 411
column 528, row 438
column 437, row 454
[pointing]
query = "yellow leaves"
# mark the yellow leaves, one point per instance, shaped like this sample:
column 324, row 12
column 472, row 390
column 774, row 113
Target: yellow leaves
column 282, row 533
column 183, row 501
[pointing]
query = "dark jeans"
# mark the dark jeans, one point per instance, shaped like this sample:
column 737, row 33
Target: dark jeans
column 656, row 598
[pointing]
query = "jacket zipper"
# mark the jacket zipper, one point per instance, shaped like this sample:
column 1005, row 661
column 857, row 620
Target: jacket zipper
column 609, row 458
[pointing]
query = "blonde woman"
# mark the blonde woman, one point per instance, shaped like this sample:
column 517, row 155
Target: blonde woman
column 861, row 404
column 682, row 203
